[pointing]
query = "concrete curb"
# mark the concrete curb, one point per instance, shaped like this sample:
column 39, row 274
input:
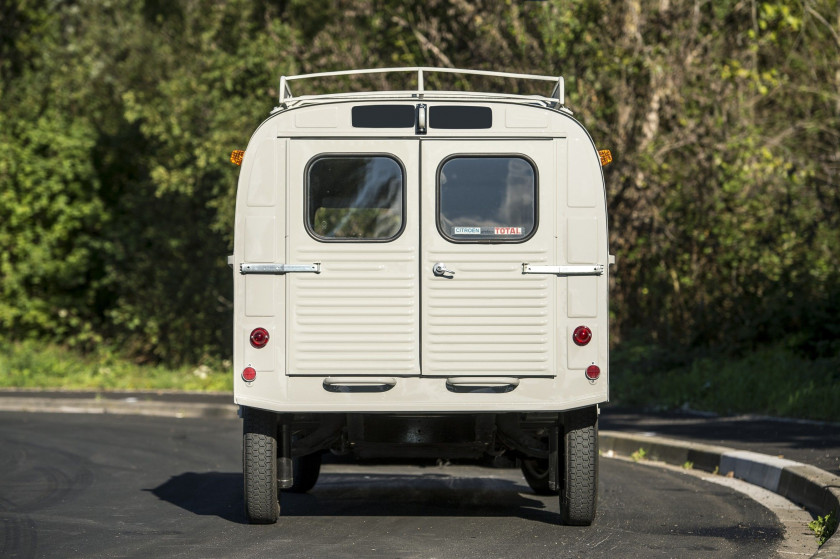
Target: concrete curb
column 815, row 489
column 130, row 405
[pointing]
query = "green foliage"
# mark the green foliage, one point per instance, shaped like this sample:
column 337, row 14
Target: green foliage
column 370, row 223
column 824, row 526
column 639, row 455
column 117, row 201
column 50, row 215
column 33, row 365
column 773, row 380
column 117, row 196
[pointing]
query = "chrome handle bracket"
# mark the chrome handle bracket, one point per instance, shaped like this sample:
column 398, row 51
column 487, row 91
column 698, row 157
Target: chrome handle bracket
column 581, row 270
column 249, row 268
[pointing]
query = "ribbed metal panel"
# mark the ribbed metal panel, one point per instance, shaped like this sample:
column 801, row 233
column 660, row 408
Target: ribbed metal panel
column 489, row 319
column 358, row 316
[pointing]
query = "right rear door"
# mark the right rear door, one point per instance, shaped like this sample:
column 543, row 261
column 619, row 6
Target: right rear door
column 487, row 208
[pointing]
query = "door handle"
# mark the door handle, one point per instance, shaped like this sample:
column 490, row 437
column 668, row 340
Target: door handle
column 482, row 385
column 359, row 384
column 441, row 271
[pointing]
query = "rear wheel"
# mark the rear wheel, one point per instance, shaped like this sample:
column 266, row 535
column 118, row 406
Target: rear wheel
column 535, row 471
column 259, row 465
column 306, row 471
column 579, row 467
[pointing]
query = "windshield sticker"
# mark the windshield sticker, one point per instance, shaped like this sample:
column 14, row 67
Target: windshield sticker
column 507, row 230
column 466, row 230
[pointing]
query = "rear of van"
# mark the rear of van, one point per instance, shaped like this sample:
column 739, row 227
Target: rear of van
column 421, row 274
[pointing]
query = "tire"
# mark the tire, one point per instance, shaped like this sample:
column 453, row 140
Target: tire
column 259, row 466
column 535, row 471
column 306, row 471
column 579, row 467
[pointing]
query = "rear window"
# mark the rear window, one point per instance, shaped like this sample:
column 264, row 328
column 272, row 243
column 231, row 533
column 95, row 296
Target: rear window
column 456, row 117
column 355, row 197
column 383, row 116
column 487, row 199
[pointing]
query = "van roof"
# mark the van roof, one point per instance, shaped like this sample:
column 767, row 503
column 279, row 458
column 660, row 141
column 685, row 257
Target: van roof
column 555, row 99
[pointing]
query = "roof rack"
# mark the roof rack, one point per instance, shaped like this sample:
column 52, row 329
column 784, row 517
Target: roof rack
column 557, row 96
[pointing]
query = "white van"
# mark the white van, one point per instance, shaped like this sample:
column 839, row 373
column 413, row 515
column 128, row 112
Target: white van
column 421, row 274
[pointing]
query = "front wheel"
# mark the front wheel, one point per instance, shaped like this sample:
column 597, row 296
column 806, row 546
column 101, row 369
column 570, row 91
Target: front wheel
column 579, row 467
column 259, row 465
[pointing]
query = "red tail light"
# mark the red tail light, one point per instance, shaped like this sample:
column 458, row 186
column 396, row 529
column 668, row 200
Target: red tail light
column 259, row 337
column 249, row 374
column 593, row 372
column 582, row 335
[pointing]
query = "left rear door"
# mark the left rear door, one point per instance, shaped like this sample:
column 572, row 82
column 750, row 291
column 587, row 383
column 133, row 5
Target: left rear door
column 352, row 210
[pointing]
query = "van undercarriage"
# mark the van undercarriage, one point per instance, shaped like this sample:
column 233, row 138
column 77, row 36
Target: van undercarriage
column 557, row 452
column 448, row 436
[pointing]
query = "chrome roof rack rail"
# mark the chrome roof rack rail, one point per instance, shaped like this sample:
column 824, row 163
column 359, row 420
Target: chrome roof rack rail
column 557, row 96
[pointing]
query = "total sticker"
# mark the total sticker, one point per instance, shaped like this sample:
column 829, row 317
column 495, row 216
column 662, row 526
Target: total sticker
column 507, row 230
column 466, row 230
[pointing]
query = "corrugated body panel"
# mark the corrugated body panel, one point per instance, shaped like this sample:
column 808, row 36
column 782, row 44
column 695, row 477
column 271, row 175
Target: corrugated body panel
column 489, row 319
column 361, row 314
column 358, row 316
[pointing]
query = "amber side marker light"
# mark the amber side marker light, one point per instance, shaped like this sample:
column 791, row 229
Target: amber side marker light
column 604, row 154
column 236, row 156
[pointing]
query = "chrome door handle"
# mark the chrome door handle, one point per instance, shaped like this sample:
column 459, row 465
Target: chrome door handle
column 359, row 384
column 441, row 271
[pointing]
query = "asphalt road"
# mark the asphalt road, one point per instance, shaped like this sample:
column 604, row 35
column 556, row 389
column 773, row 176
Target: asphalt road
column 130, row 486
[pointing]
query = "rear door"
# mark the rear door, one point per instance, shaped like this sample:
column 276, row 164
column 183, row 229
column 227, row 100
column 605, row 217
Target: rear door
column 488, row 207
column 353, row 215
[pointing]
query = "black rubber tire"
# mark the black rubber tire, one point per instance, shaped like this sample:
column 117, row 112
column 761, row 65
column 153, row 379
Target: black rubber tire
column 535, row 471
column 259, row 465
column 579, row 467
column 306, row 471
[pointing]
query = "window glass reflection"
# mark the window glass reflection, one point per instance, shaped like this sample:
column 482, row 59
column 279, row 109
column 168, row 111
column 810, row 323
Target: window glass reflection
column 355, row 197
column 487, row 198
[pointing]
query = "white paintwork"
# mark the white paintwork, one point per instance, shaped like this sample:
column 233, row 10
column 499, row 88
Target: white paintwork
column 489, row 318
column 377, row 310
column 360, row 314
